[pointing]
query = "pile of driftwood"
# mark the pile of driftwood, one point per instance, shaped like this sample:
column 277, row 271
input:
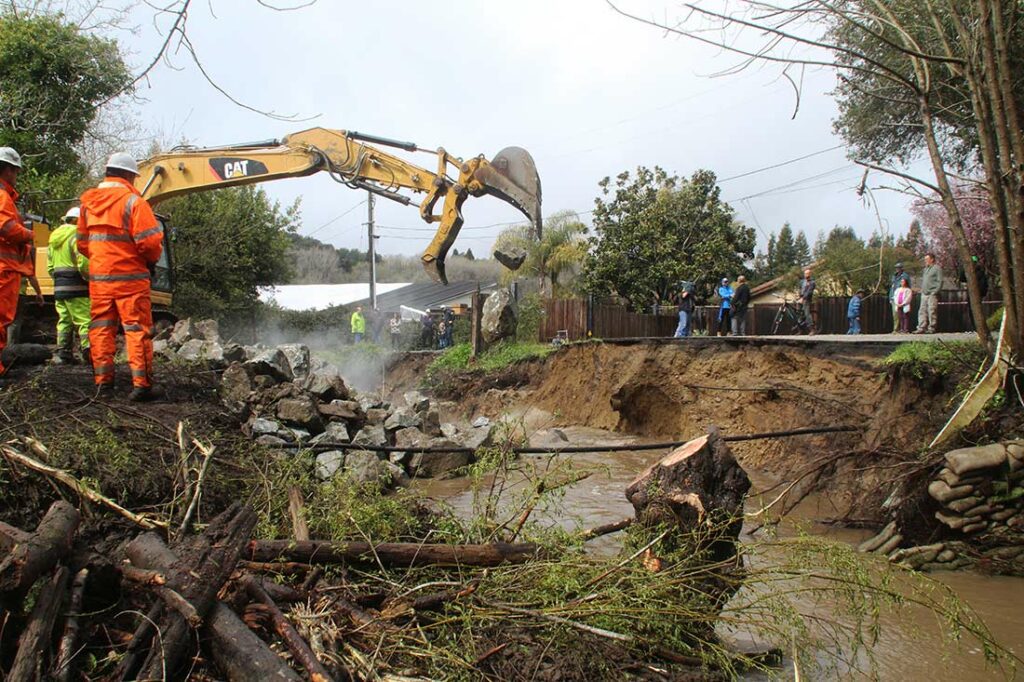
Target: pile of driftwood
column 211, row 606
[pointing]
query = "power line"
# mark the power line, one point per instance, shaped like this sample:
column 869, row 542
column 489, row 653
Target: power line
column 335, row 218
column 779, row 165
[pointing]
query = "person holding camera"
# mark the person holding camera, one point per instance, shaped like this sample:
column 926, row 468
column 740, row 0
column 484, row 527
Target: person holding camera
column 686, row 307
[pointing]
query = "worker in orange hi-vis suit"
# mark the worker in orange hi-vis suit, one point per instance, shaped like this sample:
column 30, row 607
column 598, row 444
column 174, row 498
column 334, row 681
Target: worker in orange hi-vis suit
column 15, row 244
column 121, row 237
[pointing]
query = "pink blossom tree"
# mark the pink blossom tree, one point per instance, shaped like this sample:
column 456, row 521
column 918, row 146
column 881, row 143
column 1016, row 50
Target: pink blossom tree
column 979, row 227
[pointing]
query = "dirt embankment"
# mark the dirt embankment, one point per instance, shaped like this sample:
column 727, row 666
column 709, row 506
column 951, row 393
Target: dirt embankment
column 674, row 391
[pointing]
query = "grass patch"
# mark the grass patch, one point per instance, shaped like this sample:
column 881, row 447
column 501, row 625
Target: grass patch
column 498, row 356
column 923, row 358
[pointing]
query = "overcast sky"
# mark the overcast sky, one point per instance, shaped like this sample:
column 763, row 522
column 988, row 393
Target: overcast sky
column 588, row 92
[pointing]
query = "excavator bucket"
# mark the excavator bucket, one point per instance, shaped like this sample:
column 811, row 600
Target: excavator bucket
column 512, row 177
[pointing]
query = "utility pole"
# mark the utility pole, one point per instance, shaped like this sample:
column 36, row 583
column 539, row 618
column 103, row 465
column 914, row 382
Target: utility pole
column 372, row 249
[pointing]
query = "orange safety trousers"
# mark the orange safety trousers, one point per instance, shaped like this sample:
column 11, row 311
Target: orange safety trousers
column 10, row 286
column 135, row 314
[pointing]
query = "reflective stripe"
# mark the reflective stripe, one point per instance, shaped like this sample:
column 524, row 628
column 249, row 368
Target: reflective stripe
column 71, row 289
column 11, row 255
column 140, row 373
column 103, row 237
column 100, row 370
column 126, row 219
column 118, row 278
column 66, row 272
column 148, row 233
column 134, row 328
column 102, row 323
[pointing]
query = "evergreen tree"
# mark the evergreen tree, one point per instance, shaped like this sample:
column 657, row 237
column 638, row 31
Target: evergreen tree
column 785, row 256
column 914, row 240
column 802, row 249
column 469, row 255
column 770, row 258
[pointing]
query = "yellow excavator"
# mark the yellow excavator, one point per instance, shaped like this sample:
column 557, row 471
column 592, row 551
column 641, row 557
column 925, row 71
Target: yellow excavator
column 353, row 159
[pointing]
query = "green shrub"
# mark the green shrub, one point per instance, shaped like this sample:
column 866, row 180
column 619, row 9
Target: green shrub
column 923, row 358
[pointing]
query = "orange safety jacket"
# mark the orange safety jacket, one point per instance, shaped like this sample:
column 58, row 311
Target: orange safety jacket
column 15, row 238
column 121, row 237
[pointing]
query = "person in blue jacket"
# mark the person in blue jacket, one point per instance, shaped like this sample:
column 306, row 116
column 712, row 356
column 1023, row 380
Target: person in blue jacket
column 853, row 312
column 724, row 311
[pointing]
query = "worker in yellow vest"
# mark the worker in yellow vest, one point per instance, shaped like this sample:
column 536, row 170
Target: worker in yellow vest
column 70, row 272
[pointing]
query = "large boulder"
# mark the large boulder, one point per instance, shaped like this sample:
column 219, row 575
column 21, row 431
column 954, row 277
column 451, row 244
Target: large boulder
column 329, row 463
column 343, row 409
column 499, row 316
column 402, row 418
column 208, row 330
column 438, row 464
column 300, row 412
column 264, row 427
column 233, row 353
column 200, row 350
column 416, row 401
column 376, row 415
column 366, row 467
column 235, row 385
column 298, row 358
column 181, row 333
column 335, row 432
column 326, row 383
column 511, row 257
column 371, row 435
column 431, row 423
column 273, row 363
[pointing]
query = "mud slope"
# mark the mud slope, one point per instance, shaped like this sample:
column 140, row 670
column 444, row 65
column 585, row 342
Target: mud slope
column 670, row 391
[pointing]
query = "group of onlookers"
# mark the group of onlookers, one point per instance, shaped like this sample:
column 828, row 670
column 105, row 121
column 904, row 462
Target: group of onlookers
column 734, row 300
column 434, row 334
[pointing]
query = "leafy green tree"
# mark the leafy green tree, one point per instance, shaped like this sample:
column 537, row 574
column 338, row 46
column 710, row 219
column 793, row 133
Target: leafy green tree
column 53, row 78
column 557, row 255
column 846, row 263
column 227, row 244
column 653, row 230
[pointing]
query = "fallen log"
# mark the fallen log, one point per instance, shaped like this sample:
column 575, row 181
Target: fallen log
column 296, row 645
column 11, row 536
column 236, row 650
column 30, row 662
column 62, row 669
column 201, row 572
column 391, row 553
column 40, row 551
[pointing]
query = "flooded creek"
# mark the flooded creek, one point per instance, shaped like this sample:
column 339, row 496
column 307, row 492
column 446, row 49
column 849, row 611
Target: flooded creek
column 910, row 646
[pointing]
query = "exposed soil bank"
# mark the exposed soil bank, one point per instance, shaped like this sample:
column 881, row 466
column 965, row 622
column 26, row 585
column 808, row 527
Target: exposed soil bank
column 672, row 390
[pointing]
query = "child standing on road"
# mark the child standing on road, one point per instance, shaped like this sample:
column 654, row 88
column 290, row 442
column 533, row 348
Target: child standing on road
column 853, row 312
column 901, row 299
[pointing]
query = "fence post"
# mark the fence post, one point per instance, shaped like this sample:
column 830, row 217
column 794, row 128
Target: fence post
column 588, row 310
column 475, row 317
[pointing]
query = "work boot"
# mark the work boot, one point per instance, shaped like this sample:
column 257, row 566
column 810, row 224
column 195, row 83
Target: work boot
column 65, row 357
column 146, row 394
column 86, row 357
column 105, row 391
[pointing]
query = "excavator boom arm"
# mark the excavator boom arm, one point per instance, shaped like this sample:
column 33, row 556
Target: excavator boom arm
column 351, row 160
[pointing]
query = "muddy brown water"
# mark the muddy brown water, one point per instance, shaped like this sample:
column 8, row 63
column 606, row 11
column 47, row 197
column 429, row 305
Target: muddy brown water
column 910, row 647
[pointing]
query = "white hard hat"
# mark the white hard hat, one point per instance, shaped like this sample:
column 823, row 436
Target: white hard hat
column 8, row 155
column 123, row 161
column 73, row 212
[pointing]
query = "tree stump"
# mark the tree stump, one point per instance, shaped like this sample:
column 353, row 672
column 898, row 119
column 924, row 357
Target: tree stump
column 697, row 493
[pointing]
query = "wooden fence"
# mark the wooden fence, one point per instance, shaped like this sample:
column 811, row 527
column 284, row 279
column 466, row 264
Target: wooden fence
column 574, row 318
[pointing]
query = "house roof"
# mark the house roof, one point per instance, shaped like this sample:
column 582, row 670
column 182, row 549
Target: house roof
column 321, row 296
column 426, row 295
